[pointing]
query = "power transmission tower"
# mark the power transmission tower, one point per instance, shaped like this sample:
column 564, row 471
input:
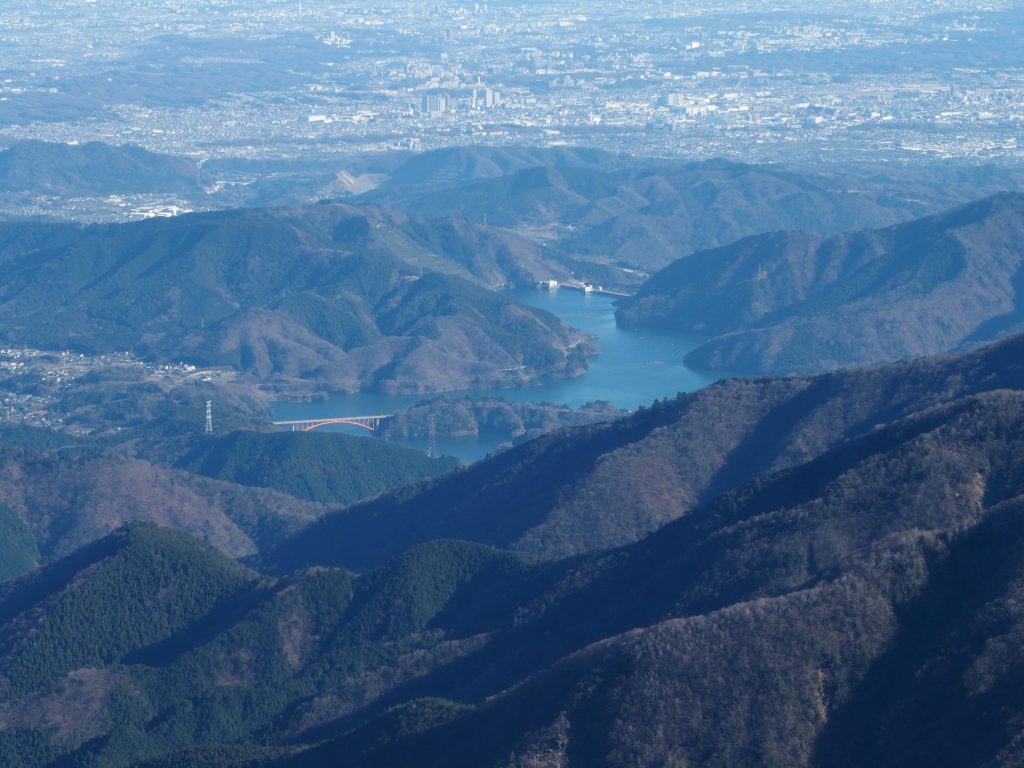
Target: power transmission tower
column 209, row 417
column 432, row 451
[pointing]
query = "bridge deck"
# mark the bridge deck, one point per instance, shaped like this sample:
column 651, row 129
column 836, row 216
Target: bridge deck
column 306, row 425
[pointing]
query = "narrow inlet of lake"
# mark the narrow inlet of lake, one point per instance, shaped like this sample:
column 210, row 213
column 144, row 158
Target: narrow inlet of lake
column 633, row 368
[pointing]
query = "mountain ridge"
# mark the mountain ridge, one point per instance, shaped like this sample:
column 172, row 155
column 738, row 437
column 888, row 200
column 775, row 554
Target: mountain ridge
column 629, row 477
column 873, row 543
column 350, row 298
column 800, row 302
column 240, row 492
column 34, row 168
column 647, row 216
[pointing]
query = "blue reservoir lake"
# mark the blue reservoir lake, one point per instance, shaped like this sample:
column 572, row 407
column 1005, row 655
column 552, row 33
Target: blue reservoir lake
column 633, row 368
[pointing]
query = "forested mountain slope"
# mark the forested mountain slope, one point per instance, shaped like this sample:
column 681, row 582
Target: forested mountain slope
column 610, row 484
column 647, row 215
column 317, row 466
column 797, row 302
column 347, row 298
column 858, row 609
column 242, row 492
column 40, row 168
column 856, row 602
column 68, row 502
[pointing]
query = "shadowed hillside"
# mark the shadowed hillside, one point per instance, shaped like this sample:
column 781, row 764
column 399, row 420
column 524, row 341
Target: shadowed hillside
column 456, row 166
column 241, row 493
column 67, row 502
column 844, row 613
column 317, row 466
column 607, row 485
column 854, row 600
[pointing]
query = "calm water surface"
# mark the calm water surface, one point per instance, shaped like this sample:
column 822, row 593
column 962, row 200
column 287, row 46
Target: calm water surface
column 633, row 368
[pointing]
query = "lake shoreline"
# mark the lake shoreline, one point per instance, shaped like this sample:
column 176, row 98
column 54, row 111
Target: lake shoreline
column 631, row 369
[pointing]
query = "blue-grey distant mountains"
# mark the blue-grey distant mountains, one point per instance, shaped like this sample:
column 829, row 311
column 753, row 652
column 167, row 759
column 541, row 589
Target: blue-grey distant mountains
column 455, row 166
column 609, row 218
column 643, row 215
column 339, row 297
column 796, row 302
column 92, row 169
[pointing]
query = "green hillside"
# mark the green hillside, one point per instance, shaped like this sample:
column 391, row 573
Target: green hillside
column 241, row 493
column 316, row 466
column 67, row 501
column 188, row 648
column 146, row 585
column 18, row 550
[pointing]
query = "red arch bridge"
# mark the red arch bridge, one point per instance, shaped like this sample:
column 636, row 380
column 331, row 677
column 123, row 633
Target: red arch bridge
column 305, row 425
